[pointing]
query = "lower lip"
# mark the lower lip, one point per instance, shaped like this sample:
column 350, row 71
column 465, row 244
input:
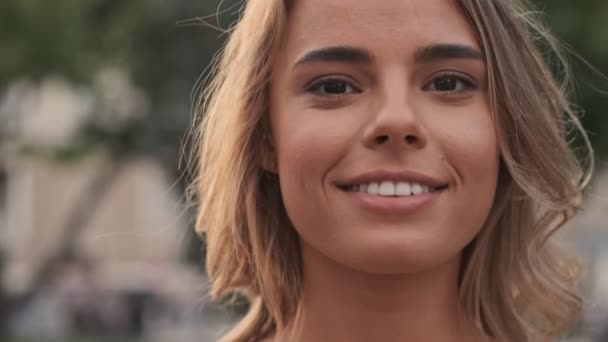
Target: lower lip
column 402, row 206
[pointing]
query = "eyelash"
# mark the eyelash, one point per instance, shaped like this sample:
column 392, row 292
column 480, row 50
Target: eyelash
column 314, row 86
column 467, row 81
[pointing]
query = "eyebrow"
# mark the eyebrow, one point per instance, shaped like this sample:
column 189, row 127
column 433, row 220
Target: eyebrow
column 354, row 55
column 343, row 54
column 447, row 51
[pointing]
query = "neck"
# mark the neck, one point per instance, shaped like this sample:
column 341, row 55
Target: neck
column 342, row 304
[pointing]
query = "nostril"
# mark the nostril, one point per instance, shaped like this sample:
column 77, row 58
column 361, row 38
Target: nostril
column 410, row 139
column 381, row 139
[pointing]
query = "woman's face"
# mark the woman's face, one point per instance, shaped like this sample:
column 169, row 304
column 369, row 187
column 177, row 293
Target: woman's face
column 384, row 138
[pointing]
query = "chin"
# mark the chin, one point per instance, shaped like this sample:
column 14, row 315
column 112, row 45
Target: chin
column 394, row 256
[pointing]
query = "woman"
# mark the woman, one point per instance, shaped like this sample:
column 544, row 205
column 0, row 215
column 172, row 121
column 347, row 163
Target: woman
column 389, row 171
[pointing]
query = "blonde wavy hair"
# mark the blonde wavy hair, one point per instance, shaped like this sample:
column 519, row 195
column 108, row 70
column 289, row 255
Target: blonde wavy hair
column 515, row 281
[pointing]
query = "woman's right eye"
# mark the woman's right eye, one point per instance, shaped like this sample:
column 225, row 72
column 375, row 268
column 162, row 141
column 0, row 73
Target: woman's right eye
column 332, row 87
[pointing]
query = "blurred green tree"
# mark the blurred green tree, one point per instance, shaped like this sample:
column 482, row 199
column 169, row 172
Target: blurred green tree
column 582, row 26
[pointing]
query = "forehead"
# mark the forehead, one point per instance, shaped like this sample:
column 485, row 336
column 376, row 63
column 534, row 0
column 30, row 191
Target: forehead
column 382, row 26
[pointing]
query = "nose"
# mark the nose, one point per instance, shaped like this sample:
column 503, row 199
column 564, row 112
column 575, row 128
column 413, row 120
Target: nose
column 396, row 126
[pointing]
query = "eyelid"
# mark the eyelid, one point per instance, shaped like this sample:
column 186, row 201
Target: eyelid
column 463, row 77
column 317, row 81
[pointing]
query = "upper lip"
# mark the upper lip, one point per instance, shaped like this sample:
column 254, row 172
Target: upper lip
column 394, row 176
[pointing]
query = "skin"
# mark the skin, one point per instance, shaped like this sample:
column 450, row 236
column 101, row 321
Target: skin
column 367, row 276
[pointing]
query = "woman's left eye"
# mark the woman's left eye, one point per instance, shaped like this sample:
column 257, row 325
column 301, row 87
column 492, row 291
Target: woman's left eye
column 451, row 83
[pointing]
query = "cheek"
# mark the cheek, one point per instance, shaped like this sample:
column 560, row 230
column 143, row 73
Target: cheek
column 309, row 143
column 466, row 137
column 470, row 149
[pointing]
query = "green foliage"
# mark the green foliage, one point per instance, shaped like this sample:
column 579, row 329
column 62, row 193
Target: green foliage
column 65, row 37
column 583, row 27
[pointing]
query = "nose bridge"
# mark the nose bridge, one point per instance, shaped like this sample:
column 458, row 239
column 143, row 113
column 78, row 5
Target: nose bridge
column 395, row 120
column 395, row 107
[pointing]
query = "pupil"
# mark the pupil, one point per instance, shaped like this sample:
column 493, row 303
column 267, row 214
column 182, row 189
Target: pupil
column 446, row 84
column 335, row 88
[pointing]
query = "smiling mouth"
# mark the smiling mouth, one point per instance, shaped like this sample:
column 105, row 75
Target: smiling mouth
column 393, row 189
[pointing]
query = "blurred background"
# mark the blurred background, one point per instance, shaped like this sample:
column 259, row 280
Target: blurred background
column 96, row 238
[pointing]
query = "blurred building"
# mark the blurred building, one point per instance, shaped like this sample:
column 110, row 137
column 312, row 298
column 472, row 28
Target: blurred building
column 138, row 219
column 134, row 212
column 589, row 230
column 115, row 232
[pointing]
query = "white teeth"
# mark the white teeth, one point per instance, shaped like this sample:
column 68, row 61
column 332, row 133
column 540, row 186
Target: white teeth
column 404, row 189
column 373, row 188
column 416, row 189
column 387, row 189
